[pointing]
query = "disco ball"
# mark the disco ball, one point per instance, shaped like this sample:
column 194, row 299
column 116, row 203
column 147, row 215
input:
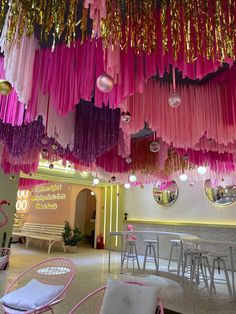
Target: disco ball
column 155, row 147
column 105, row 83
column 5, row 87
column 125, row 117
column 174, row 100
column 128, row 160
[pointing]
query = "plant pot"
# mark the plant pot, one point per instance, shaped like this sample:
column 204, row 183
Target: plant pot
column 71, row 248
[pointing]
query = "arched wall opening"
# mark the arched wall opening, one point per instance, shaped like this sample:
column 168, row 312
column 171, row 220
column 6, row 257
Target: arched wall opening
column 85, row 214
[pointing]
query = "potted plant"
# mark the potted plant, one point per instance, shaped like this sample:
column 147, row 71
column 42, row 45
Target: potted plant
column 71, row 237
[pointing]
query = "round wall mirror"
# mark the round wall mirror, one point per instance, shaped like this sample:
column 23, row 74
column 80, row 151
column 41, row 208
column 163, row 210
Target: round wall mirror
column 165, row 193
column 219, row 194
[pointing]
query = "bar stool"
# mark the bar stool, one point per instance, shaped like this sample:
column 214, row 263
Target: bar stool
column 199, row 264
column 130, row 253
column 150, row 253
column 219, row 258
column 175, row 245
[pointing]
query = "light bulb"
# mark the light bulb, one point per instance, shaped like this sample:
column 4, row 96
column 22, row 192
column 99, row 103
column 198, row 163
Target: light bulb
column 174, row 100
column 132, row 178
column 201, row 170
column 127, row 185
column 183, row 177
column 95, row 181
column 92, row 193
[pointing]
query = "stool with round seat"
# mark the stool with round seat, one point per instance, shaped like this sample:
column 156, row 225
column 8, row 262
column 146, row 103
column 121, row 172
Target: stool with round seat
column 218, row 259
column 150, row 253
column 175, row 245
column 199, row 264
column 130, row 253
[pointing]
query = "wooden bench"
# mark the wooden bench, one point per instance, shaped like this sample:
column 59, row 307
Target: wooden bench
column 47, row 232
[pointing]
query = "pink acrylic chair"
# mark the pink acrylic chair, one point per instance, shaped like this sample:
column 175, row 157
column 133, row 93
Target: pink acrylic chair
column 54, row 271
column 93, row 301
column 4, row 257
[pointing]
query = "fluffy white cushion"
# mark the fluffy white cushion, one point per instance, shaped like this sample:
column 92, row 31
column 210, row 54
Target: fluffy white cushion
column 31, row 296
column 127, row 298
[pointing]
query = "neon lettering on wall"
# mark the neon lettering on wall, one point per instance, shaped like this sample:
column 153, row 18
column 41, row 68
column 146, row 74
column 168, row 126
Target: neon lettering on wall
column 22, row 202
column 47, row 197
column 46, row 206
column 48, row 188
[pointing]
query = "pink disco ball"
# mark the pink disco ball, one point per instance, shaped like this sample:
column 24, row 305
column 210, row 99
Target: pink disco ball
column 155, row 147
column 105, row 83
column 125, row 117
column 174, row 100
column 128, row 160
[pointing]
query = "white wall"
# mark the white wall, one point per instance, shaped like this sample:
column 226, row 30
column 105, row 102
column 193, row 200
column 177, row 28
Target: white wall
column 192, row 205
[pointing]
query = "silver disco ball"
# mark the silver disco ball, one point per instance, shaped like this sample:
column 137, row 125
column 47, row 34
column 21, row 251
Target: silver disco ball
column 128, row 160
column 174, row 100
column 125, row 117
column 155, row 147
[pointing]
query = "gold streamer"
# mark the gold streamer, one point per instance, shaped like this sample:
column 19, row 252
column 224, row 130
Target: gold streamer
column 201, row 28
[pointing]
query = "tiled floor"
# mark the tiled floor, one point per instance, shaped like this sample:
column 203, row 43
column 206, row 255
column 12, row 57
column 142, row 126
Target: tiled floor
column 92, row 272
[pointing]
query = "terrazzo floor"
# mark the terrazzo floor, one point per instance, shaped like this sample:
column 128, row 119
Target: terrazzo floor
column 91, row 273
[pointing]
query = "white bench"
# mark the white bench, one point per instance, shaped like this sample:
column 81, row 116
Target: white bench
column 47, row 232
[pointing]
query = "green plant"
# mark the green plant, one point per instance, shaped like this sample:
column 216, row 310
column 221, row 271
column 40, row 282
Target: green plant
column 71, row 236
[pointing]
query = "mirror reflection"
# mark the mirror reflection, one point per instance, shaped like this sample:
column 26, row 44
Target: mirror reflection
column 165, row 193
column 220, row 194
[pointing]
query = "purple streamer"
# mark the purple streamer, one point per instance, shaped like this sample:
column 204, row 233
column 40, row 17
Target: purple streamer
column 96, row 131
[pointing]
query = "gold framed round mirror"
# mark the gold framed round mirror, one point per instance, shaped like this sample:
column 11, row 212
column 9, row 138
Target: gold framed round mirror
column 165, row 193
column 220, row 194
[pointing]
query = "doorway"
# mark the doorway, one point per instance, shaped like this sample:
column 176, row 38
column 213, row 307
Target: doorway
column 85, row 215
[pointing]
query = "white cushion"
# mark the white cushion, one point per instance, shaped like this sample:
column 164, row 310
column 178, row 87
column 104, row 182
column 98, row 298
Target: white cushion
column 124, row 298
column 34, row 294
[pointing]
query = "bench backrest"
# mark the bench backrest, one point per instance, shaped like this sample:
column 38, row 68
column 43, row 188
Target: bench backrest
column 52, row 229
column 31, row 227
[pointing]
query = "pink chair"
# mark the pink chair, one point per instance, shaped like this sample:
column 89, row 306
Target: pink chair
column 40, row 287
column 94, row 300
column 4, row 257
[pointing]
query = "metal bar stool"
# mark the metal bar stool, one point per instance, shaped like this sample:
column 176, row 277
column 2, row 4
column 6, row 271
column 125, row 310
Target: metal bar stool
column 175, row 245
column 199, row 264
column 218, row 259
column 150, row 253
column 130, row 253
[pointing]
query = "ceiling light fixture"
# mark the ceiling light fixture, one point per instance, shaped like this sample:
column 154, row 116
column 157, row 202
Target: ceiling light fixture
column 132, row 178
column 183, row 177
column 127, row 185
column 201, row 170
column 96, row 181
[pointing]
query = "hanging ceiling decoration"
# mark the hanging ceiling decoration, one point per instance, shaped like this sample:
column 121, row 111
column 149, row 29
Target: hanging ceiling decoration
column 74, row 66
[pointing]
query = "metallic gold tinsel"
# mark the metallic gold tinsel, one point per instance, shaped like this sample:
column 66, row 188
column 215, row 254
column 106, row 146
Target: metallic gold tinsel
column 53, row 17
column 3, row 11
column 189, row 28
column 130, row 23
